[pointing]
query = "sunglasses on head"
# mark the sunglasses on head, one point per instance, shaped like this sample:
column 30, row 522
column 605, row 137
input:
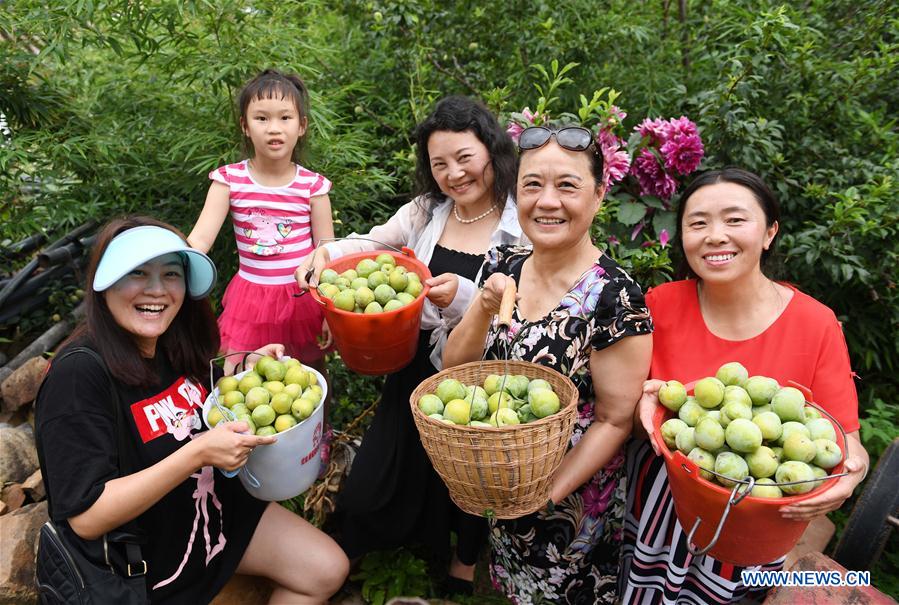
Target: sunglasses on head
column 573, row 138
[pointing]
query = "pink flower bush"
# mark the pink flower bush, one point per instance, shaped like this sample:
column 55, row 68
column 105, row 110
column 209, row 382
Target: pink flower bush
column 678, row 143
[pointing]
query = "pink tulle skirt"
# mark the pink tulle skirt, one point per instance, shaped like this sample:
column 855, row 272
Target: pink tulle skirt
column 254, row 315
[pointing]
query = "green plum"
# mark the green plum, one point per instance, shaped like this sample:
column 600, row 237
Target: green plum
column 732, row 373
column 743, row 436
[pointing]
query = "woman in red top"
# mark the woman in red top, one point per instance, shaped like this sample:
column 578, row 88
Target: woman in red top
column 727, row 310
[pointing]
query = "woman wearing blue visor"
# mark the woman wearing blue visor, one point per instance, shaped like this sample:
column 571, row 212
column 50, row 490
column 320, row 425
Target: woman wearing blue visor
column 149, row 320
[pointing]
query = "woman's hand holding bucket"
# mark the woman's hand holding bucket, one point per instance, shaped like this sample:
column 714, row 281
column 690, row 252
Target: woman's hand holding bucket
column 646, row 407
column 226, row 446
column 857, row 467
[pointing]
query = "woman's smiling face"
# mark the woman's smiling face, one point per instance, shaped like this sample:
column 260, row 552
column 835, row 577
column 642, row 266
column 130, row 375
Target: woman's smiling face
column 724, row 232
column 146, row 300
column 557, row 195
column 461, row 166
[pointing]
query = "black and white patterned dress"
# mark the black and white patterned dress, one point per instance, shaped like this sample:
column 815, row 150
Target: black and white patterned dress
column 571, row 554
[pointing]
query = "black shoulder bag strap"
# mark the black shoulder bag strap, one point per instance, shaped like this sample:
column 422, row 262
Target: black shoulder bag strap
column 129, row 534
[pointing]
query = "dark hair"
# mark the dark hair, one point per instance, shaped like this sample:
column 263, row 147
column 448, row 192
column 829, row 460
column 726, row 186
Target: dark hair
column 597, row 163
column 457, row 113
column 189, row 343
column 273, row 84
column 754, row 183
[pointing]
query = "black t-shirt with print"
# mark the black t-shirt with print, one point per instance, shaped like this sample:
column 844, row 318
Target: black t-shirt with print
column 198, row 532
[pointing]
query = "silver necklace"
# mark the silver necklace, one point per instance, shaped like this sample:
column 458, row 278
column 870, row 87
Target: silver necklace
column 468, row 221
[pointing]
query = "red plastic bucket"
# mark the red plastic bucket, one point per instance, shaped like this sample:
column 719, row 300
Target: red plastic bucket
column 378, row 343
column 752, row 530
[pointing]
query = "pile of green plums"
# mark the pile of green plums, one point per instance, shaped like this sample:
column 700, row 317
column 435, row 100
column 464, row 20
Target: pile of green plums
column 739, row 426
column 271, row 398
column 502, row 400
column 376, row 285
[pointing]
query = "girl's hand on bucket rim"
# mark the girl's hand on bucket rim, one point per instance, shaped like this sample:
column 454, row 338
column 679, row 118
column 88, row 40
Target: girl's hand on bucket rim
column 316, row 261
column 226, row 447
column 646, row 408
column 274, row 350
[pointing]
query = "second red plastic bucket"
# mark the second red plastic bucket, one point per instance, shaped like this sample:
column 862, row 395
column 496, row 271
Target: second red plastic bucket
column 754, row 532
column 378, row 343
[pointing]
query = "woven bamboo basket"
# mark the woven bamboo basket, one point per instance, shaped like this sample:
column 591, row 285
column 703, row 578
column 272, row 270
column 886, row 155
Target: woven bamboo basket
column 502, row 472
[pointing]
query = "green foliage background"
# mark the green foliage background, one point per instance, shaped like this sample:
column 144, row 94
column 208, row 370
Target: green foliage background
column 121, row 106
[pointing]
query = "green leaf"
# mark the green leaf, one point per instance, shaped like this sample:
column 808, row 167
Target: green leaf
column 665, row 220
column 631, row 213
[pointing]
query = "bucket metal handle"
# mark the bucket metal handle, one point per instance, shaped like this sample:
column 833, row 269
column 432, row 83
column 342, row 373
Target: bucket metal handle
column 228, row 414
column 736, row 496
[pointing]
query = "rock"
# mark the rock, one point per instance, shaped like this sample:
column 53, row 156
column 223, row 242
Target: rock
column 22, row 385
column 244, row 590
column 3, row 508
column 824, row 595
column 14, row 496
column 19, row 530
column 18, row 455
column 34, row 486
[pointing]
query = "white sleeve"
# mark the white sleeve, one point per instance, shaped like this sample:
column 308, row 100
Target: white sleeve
column 396, row 232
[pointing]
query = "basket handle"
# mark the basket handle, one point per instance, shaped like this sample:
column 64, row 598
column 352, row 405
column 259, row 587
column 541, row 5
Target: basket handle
column 736, row 496
column 507, row 305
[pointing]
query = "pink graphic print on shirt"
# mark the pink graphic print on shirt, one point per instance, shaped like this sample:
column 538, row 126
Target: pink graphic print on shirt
column 268, row 233
column 176, row 412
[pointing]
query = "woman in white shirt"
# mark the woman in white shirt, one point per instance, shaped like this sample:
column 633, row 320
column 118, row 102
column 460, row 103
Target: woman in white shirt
column 465, row 171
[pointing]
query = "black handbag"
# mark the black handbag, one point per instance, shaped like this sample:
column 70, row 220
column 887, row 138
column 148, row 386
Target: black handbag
column 65, row 575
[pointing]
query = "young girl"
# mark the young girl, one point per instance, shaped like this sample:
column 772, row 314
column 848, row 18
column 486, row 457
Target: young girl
column 280, row 211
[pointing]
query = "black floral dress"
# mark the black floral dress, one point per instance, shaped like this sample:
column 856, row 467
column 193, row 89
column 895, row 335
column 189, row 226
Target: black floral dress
column 569, row 555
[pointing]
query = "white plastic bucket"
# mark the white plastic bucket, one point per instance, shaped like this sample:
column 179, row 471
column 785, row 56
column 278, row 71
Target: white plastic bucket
column 288, row 467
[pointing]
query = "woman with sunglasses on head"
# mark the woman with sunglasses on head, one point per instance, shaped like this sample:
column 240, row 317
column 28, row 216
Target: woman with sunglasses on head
column 149, row 321
column 579, row 313
column 727, row 310
column 465, row 169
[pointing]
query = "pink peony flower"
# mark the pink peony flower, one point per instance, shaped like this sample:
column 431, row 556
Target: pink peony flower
column 681, row 125
column 615, row 160
column 648, row 244
column 683, row 152
column 664, row 238
column 656, row 130
column 514, row 130
column 652, row 176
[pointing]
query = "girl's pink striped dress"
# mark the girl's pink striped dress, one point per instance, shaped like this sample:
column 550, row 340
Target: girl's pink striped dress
column 274, row 234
